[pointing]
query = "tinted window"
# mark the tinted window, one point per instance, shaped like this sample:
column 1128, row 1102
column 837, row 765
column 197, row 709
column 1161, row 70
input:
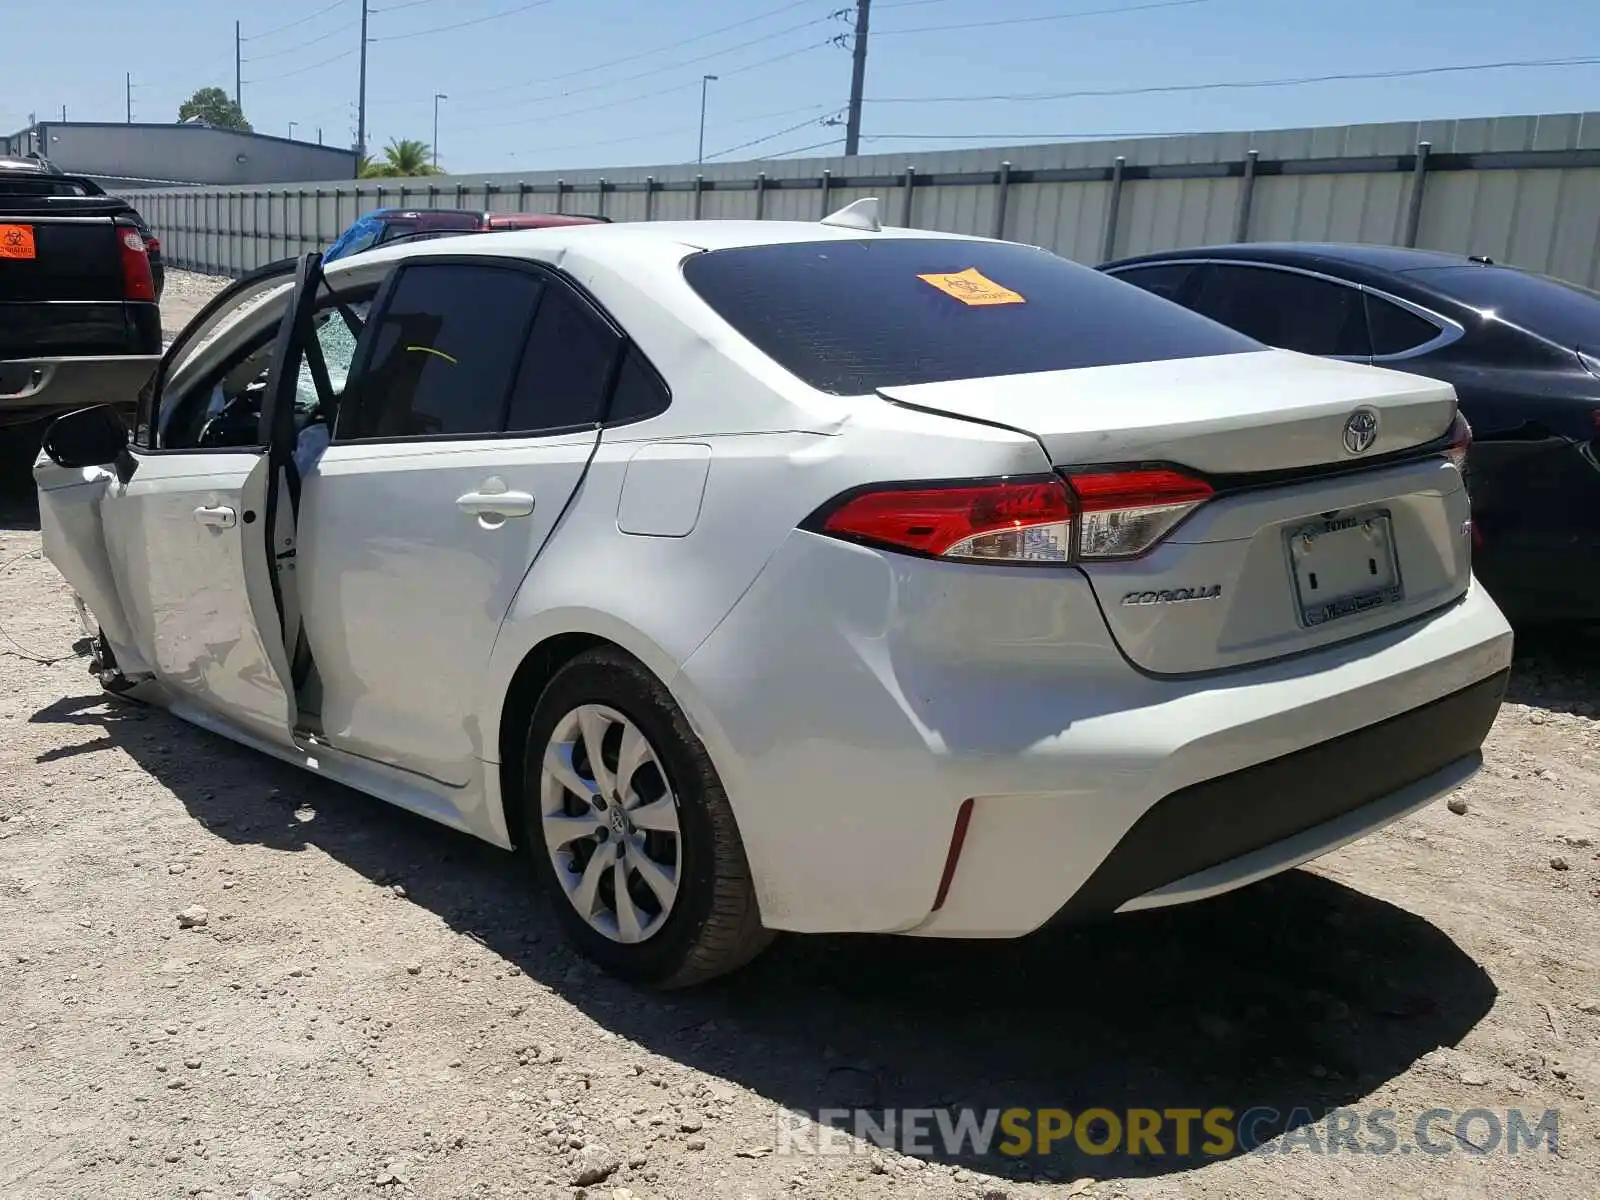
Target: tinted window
column 443, row 354
column 639, row 393
column 1164, row 279
column 1394, row 329
column 849, row 317
column 1562, row 312
column 567, row 366
column 1286, row 309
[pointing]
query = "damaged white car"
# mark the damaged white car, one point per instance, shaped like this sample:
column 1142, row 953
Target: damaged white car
column 779, row 576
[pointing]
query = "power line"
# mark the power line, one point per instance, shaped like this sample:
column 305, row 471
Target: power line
column 301, row 21
column 800, row 149
column 302, row 45
column 667, row 91
column 1241, row 83
column 301, row 70
column 389, row 8
column 676, row 66
column 1071, row 16
column 771, row 137
column 817, row 109
column 617, row 62
column 510, row 12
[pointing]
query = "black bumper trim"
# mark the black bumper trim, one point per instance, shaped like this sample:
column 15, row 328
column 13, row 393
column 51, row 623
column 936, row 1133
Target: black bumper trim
column 1224, row 818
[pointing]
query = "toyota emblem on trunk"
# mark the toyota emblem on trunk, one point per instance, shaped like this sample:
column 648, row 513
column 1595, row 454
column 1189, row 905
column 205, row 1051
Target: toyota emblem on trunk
column 1360, row 430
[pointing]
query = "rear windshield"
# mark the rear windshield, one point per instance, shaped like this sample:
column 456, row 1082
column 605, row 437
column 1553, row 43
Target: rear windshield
column 17, row 184
column 1564, row 313
column 849, row 317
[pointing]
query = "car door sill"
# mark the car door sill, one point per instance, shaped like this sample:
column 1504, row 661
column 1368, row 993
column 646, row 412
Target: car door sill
column 398, row 787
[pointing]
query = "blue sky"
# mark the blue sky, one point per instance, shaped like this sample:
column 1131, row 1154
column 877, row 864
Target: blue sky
column 588, row 83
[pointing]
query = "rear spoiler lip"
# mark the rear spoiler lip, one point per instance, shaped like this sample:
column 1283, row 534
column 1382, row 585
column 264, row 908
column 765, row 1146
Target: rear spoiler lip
column 1221, row 483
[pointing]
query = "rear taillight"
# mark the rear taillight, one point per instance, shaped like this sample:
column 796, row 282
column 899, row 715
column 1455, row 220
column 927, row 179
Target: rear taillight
column 137, row 282
column 1125, row 513
column 1086, row 516
column 1460, row 442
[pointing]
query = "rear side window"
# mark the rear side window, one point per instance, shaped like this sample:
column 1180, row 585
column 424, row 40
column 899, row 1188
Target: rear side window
column 640, row 392
column 1286, row 309
column 1164, row 279
column 1394, row 329
column 567, row 366
column 1561, row 312
column 849, row 317
column 444, row 353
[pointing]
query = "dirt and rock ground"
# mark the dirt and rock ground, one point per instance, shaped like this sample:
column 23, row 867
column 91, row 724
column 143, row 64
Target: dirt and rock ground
column 370, row 1005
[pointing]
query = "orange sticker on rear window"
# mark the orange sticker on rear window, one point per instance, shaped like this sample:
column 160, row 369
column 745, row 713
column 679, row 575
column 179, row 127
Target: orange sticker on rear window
column 972, row 288
column 16, row 241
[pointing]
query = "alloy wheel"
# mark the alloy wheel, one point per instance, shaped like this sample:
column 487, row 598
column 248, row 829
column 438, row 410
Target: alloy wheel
column 611, row 823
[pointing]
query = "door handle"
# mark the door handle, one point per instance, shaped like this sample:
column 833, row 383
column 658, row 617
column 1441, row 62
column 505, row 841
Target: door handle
column 496, row 504
column 217, row 516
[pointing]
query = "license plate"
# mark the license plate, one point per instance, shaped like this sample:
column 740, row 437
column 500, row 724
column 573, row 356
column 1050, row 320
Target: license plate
column 16, row 241
column 1343, row 566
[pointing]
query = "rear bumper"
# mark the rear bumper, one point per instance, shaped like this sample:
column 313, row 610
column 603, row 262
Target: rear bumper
column 34, row 388
column 854, row 701
column 1222, row 833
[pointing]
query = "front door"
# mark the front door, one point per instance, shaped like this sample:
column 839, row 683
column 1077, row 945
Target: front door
column 471, row 418
column 199, row 534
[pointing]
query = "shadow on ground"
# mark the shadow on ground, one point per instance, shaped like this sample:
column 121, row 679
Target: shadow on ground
column 1297, row 994
column 1558, row 667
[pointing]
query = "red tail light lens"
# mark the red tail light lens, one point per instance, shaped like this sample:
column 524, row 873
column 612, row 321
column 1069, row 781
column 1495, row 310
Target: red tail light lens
column 137, row 282
column 1460, row 442
column 1018, row 520
column 1088, row 516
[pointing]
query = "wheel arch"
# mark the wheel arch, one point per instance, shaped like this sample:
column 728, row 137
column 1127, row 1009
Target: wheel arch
column 527, row 672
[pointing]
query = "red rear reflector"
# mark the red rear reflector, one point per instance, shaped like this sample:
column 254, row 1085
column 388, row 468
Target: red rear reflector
column 137, row 282
column 1019, row 520
column 957, row 839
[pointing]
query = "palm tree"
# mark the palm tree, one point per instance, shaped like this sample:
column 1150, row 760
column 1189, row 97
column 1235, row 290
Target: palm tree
column 402, row 157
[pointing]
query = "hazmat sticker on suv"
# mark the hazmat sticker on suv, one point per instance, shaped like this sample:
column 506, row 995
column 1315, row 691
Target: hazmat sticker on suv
column 971, row 287
column 16, row 241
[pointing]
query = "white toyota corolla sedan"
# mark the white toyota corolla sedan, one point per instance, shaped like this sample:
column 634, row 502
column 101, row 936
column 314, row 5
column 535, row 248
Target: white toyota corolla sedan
column 758, row 576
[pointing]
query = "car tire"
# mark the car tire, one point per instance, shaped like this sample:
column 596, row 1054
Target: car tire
column 711, row 924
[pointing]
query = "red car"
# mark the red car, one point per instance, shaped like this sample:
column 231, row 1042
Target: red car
column 385, row 225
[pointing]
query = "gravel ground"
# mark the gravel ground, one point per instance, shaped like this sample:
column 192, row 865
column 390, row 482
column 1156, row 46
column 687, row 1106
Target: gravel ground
column 370, row 1005
column 185, row 294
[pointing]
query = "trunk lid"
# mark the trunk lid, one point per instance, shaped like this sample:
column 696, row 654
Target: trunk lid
column 1301, row 546
column 1225, row 414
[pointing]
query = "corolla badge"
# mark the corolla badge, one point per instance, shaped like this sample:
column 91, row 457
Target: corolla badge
column 1183, row 595
column 1361, row 430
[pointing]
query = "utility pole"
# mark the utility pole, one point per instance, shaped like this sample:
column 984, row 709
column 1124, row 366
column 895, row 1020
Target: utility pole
column 437, row 96
column 361, row 114
column 704, row 80
column 858, row 79
column 127, row 80
column 238, row 60
column 63, row 114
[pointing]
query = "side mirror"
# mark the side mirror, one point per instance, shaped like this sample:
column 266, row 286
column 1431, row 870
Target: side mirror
column 89, row 437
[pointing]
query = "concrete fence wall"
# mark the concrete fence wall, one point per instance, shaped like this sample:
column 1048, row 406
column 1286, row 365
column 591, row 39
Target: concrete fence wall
column 1522, row 190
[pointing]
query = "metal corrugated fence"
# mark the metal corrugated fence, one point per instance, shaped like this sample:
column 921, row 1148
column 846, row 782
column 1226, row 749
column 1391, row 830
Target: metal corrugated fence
column 1523, row 190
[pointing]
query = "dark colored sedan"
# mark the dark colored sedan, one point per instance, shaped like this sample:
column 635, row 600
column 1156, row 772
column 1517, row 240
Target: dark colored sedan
column 1522, row 350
